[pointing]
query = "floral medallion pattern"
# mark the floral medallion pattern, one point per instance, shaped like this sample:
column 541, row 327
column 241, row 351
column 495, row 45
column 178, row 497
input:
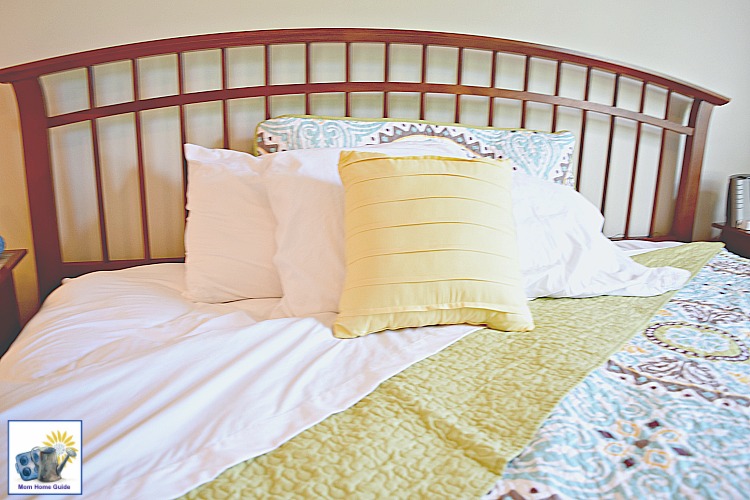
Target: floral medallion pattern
column 698, row 340
column 668, row 416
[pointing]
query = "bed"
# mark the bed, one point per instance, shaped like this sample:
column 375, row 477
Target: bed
column 256, row 350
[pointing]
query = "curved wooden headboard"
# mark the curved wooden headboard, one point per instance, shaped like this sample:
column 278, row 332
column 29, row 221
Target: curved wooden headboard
column 679, row 122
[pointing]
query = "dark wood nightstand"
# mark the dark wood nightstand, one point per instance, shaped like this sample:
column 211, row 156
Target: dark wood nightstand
column 10, row 319
column 736, row 240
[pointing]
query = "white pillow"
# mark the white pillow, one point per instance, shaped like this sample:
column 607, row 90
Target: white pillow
column 307, row 200
column 563, row 252
column 229, row 234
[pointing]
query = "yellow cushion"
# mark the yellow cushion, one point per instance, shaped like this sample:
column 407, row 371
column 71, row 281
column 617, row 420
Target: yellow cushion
column 429, row 241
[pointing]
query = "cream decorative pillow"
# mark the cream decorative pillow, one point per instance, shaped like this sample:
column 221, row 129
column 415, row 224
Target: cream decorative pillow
column 429, row 240
column 541, row 154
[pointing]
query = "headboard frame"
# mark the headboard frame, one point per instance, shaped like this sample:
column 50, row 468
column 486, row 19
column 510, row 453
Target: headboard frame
column 680, row 124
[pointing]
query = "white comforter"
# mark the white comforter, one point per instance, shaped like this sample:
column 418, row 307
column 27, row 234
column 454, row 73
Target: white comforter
column 170, row 392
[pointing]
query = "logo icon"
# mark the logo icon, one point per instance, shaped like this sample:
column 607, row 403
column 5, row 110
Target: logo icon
column 50, row 465
column 27, row 464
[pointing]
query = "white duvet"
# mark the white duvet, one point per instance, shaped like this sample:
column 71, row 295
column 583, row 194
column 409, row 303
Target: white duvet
column 171, row 393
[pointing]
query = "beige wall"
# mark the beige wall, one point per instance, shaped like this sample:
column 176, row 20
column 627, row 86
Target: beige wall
column 697, row 41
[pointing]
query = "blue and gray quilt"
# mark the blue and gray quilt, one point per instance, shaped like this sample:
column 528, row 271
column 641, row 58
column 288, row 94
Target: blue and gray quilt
column 668, row 416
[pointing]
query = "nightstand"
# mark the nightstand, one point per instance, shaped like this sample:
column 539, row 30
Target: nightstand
column 10, row 319
column 736, row 240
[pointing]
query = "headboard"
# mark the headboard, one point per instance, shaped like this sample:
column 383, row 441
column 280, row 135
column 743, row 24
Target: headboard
column 640, row 135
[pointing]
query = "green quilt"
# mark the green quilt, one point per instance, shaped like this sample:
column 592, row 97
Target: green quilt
column 447, row 426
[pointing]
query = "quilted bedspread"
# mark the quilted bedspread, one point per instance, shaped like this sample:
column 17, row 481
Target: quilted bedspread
column 448, row 426
column 668, row 416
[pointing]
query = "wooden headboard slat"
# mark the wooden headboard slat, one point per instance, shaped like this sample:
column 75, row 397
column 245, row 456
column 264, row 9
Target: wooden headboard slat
column 267, row 77
column 422, row 83
column 97, row 168
column 307, row 77
column 582, row 136
column 348, row 78
column 493, row 84
column 145, row 235
column 634, row 168
column 224, row 102
column 558, row 76
column 660, row 170
column 608, row 163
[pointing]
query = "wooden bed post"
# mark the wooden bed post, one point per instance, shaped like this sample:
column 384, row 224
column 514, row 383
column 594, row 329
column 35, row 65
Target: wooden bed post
column 690, row 176
column 41, row 193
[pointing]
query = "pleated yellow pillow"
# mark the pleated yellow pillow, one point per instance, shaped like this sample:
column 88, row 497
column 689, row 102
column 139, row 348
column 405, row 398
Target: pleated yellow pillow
column 429, row 241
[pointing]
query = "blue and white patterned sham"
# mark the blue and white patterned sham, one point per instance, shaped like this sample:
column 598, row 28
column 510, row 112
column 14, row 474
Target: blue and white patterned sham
column 541, row 154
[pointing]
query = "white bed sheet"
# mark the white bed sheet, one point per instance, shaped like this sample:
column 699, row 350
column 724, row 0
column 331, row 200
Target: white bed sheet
column 635, row 247
column 170, row 392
